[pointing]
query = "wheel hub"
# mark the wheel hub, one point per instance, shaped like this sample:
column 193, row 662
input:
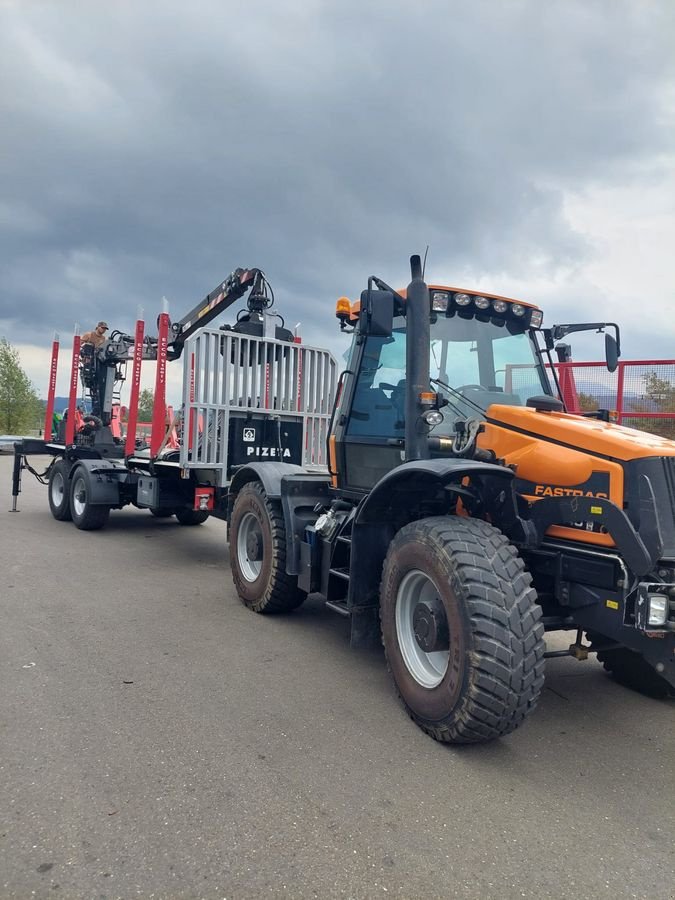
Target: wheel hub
column 430, row 626
column 253, row 546
column 421, row 629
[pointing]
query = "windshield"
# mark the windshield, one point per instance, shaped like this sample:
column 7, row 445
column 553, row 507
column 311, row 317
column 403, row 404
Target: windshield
column 474, row 364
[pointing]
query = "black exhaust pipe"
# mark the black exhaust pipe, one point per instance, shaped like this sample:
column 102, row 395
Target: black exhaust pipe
column 418, row 335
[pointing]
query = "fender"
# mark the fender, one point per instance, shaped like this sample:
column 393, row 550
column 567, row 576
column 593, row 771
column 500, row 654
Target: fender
column 104, row 479
column 419, row 478
column 299, row 492
column 395, row 492
column 269, row 474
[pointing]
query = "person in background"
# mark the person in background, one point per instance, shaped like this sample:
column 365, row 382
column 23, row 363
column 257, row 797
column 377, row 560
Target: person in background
column 97, row 336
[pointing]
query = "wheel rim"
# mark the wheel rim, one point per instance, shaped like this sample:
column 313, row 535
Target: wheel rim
column 427, row 668
column 58, row 489
column 79, row 496
column 249, row 547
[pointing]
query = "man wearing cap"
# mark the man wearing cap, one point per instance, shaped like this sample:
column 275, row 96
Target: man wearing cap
column 96, row 337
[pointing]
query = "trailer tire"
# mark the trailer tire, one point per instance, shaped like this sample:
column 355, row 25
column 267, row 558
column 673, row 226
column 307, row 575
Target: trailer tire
column 86, row 515
column 58, row 491
column 162, row 513
column 455, row 582
column 257, row 537
column 631, row 670
column 190, row 517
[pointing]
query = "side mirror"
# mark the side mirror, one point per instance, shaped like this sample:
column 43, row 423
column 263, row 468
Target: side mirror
column 377, row 313
column 611, row 352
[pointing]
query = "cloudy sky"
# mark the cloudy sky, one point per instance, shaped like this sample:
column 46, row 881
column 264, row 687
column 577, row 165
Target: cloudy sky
column 148, row 147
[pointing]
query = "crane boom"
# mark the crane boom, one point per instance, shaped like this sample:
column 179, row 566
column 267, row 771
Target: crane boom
column 228, row 292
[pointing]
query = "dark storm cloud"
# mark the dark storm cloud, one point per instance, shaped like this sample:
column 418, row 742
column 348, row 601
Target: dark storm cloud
column 149, row 148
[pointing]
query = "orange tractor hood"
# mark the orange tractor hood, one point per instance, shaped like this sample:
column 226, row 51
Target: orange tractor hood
column 580, row 433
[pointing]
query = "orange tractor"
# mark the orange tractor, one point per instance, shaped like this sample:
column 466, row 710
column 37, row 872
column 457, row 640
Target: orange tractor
column 461, row 518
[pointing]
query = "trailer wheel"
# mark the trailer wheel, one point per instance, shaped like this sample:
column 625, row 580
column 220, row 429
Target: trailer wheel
column 86, row 515
column 461, row 629
column 258, row 553
column 58, row 492
column 631, row 670
column 191, row 516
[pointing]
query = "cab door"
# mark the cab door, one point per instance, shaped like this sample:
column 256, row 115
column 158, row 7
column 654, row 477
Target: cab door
column 370, row 428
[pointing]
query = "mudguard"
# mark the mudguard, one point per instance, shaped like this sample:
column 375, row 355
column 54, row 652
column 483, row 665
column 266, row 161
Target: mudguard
column 398, row 489
column 104, row 479
column 269, row 474
column 417, row 478
column 297, row 490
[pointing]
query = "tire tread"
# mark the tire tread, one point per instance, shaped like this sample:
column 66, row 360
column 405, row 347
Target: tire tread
column 506, row 659
column 281, row 593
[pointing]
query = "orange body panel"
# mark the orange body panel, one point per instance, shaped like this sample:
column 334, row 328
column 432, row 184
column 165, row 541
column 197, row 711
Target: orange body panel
column 457, row 290
column 591, row 435
column 332, row 460
column 563, row 452
column 356, row 305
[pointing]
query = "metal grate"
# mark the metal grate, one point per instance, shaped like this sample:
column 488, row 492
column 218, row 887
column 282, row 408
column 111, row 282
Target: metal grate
column 228, row 375
column 640, row 392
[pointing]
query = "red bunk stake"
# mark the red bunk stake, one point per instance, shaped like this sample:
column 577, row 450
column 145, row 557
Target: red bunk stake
column 568, row 387
column 159, row 408
column 49, row 412
column 132, row 420
column 72, row 397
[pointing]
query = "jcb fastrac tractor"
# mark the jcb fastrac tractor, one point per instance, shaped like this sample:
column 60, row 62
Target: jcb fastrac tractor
column 465, row 513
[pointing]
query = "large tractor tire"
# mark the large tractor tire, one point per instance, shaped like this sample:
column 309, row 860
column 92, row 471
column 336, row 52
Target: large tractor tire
column 189, row 517
column 630, row 669
column 461, row 629
column 258, row 553
column 58, row 491
column 86, row 515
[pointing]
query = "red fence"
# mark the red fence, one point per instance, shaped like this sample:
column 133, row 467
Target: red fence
column 640, row 394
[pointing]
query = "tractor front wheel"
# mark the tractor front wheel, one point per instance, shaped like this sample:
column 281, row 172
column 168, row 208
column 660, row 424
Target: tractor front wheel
column 461, row 629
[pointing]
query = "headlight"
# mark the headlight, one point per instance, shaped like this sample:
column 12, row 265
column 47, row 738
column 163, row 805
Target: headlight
column 462, row 299
column 518, row 309
column 439, row 301
column 433, row 417
column 481, row 302
column 658, row 609
column 500, row 306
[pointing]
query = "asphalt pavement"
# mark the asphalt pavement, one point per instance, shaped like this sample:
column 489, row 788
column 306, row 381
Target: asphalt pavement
column 157, row 739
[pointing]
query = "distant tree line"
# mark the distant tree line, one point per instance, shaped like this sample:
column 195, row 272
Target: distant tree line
column 21, row 409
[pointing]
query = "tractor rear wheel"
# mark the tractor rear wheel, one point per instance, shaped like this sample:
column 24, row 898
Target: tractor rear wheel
column 461, row 629
column 58, row 492
column 86, row 515
column 258, row 553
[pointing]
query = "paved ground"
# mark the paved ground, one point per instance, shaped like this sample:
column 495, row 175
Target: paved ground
column 157, row 739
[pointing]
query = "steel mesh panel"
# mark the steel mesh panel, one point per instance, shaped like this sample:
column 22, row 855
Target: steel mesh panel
column 224, row 372
column 642, row 393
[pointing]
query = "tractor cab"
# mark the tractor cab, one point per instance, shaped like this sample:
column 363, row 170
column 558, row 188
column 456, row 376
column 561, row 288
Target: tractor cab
column 425, row 368
column 481, row 349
